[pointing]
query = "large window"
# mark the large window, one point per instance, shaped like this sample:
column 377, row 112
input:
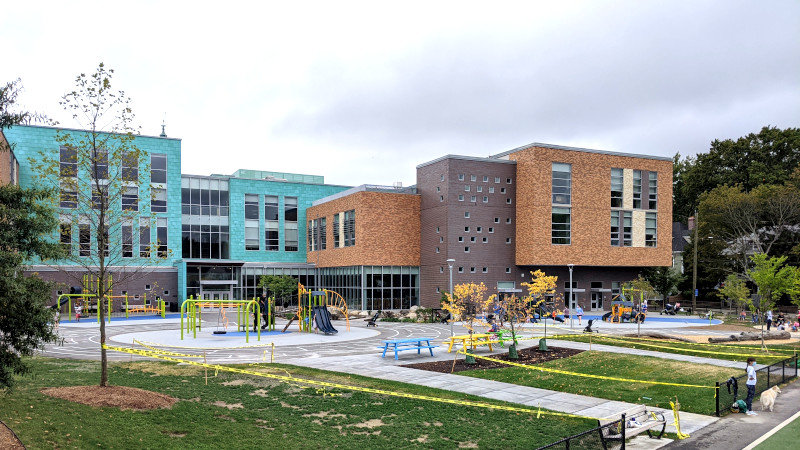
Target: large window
column 127, row 239
column 85, row 239
column 653, row 191
column 650, row 230
column 616, row 188
column 627, row 228
column 65, row 232
column 637, row 189
column 158, row 202
column 350, row 228
column 336, row 232
column 130, row 167
column 291, row 234
column 161, row 237
column 561, row 232
column 562, row 184
column 144, row 237
column 615, row 228
column 251, row 222
column 68, row 159
column 271, row 211
column 315, row 229
column 69, row 193
column 205, row 229
column 130, row 198
column 100, row 164
column 158, row 168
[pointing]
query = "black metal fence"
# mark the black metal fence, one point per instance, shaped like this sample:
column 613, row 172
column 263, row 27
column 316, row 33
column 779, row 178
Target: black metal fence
column 766, row 377
column 593, row 439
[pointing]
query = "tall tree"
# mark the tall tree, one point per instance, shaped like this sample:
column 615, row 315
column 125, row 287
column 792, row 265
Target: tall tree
column 100, row 174
column 280, row 286
column 735, row 290
column 774, row 279
column 664, row 280
column 26, row 323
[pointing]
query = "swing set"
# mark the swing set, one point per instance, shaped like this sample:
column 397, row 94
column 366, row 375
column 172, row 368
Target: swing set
column 192, row 310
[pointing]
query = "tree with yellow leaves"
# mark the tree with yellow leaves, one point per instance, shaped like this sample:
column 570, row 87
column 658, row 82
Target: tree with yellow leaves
column 540, row 287
column 467, row 301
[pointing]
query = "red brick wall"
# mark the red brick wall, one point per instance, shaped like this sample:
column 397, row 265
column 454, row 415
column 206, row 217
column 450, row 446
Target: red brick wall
column 387, row 230
column 591, row 210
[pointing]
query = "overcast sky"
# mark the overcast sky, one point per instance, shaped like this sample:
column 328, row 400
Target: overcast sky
column 363, row 92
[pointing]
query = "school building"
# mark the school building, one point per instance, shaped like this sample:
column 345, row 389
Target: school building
column 603, row 214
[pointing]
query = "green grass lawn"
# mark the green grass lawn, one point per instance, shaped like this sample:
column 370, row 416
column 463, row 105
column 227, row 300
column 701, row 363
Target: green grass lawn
column 784, row 439
column 623, row 366
column 243, row 412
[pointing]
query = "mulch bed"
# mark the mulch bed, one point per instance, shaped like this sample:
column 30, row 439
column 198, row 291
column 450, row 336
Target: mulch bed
column 112, row 396
column 526, row 356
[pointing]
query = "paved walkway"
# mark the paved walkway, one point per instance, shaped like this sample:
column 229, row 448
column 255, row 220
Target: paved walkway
column 355, row 352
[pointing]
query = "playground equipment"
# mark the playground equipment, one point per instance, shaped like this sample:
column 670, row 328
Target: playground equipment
column 192, row 310
column 624, row 307
column 308, row 300
column 82, row 295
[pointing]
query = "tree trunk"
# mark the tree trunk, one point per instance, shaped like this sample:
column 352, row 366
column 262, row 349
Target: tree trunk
column 751, row 336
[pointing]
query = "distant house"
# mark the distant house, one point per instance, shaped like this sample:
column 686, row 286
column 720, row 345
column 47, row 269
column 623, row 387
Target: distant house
column 680, row 238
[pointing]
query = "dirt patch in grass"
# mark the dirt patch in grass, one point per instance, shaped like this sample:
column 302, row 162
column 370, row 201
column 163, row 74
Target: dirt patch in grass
column 722, row 327
column 121, row 397
column 704, row 339
column 526, row 356
column 8, row 439
column 158, row 368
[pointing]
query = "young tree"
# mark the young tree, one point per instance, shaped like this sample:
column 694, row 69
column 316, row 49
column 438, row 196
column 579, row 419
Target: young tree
column 26, row 323
column 469, row 300
column 663, row 280
column 100, row 173
column 736, row 292
column 280, row 286
column 773, row 280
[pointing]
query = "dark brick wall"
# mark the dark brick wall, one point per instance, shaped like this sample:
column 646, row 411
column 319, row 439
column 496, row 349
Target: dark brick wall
column 134, row 284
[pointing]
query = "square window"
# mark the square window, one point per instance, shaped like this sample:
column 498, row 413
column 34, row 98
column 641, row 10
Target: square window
column 466, row 249
column 461, row 177
column 146, row 287
column 508, row 201
column 479, row 189
column 478, row 229
column 471, row 270
column 485, row 270
column 442, row 178
column 460, row 270
column 473, row 178
column 508, row 220
column 508, row 180
column 502, row 190
column 496, row 220
column 466, row 188
column 496, row 179
column 466, row 214
column 485, row 199
column 472, row 239
column 508, row 240
column 491, row 189
column 461, row 239
column 508, row 269
column 491, row 229
column 485, row 178
column 485, row 240
column 461, row 197
column 466, row 229
column 473, row 199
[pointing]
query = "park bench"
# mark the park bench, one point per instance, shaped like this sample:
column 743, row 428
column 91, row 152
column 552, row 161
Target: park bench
column 399, row 345
column 645, row 420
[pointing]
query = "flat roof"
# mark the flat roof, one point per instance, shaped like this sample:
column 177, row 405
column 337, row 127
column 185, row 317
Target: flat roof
column 467, row 158
column 578, row 149
column 408, row 190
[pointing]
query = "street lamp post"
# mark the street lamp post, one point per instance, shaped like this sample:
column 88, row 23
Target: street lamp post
column 694, row 265
column 450, row 263
column 571, row 307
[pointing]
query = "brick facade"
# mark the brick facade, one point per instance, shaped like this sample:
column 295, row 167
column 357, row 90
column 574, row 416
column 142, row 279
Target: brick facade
column 387, row 230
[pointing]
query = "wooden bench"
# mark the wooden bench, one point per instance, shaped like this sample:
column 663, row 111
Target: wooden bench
column 645, row 420
column 472, row 340
column 399, row 345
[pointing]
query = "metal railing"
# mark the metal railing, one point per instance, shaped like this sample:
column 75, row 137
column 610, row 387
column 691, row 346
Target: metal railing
column 766, row 377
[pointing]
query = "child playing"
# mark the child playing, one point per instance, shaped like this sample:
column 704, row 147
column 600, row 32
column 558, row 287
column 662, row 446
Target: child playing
column 78, row 310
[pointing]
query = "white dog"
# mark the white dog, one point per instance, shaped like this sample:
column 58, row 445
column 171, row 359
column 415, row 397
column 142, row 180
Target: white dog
column 768, row 397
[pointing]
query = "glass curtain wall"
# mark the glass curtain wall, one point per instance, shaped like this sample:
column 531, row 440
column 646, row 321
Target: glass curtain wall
column 204, row 206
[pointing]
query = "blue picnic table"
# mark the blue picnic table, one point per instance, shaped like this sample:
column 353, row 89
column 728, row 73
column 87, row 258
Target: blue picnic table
column 399, row 345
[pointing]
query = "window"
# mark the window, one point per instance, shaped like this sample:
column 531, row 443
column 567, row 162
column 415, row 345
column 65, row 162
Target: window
column 84, row 239
column 491, row 229
column 508, row 269
column 502, row 190
column 127, row 239
column 616, row 188
column 206, row 235
column 485, row 199
column 441, row 178
column 337, row 241
column 473, row 199
column 68, row 162
column 485, row 270
column 615, row 229
column 461, row 197
column 461, row 239
column 508, row 180
column 562, row 184
column 100, row 164
column 441, row 198
column 158, row 204
column 473, row 178
column 438, row 189
column 650, row 230
column 437, row 249
column 461, row 177
column 466, row 188
column 471, row 270
column 441, row 239
column 653, row 191
column 485, row 240
column 637, row 189
column 496, row 220
column 68, row 194
column 130, row 166
column 158, row 168
column 478, row 229
column 65, row 232
column 290, row 229
column 350, row 228
column 437, row 229
column 485, row 178
column 322, row 229
column 491, row 189
column 466, row 214
column 441, row 269
column 310, row 236
column 479, row 189
column 461, row 269
column 251, row 222
column 496, row 179
column 144, row 237
column 466, row 249
column 472, row 239
column 466, row 229
column 161, row 237
column 627, row 229
column 508, row 201
column 508, row 220
column 561, row 226
column 271, row 229
column 508, row 240
column 130, row 198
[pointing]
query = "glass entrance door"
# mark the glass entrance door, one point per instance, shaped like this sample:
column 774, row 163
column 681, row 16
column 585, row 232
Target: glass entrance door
column 216, row 292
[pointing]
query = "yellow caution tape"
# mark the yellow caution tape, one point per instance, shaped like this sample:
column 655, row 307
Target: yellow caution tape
column 689, row 350
column 205, row 348
column 601, row 377
column 165, row 352
column 290, row 379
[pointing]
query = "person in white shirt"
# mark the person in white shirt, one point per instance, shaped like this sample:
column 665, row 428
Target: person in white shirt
column 751, row 385
column 769, row 319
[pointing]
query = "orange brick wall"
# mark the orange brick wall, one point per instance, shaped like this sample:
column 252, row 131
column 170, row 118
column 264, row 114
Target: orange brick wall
column 591, row 210
column 387, row 230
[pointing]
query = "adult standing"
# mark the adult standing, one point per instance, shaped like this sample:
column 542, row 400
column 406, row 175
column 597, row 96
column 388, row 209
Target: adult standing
column 579, row 313
column 769, row 319
column 751, row 385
